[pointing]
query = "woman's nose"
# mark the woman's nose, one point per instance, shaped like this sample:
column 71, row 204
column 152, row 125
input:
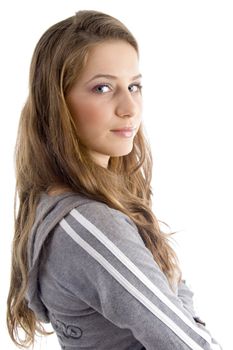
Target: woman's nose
column 126, row 106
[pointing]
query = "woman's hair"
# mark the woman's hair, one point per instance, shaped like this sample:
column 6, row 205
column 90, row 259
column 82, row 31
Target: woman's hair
column 48, row 154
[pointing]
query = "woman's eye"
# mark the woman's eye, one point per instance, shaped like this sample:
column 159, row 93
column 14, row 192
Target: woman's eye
column 104, row 88
column 135, row 88
column 101, row 89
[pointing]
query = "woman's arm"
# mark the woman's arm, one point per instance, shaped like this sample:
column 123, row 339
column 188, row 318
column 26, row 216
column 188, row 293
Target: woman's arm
column 113, row 271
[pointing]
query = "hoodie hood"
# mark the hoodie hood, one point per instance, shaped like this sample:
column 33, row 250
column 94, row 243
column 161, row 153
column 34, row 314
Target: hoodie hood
column 50, row 210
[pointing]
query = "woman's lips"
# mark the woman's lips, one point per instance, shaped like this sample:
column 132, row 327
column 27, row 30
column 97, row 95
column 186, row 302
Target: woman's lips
column 125, row 132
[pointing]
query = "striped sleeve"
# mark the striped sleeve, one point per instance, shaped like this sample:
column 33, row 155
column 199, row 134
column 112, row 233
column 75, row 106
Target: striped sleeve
column 118, row 276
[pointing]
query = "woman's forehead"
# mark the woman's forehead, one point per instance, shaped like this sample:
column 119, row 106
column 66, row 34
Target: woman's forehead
column 116, row 58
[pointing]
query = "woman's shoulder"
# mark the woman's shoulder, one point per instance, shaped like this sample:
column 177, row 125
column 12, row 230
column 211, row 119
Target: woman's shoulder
column 71, row 215
column 85, row 226
column 90, row 229
column 100, row 214
column 59, row 204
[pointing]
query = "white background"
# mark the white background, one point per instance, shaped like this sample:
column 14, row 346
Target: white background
column 187, row 66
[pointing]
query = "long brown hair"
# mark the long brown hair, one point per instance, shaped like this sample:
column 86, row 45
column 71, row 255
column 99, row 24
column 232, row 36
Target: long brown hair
column 48, row 154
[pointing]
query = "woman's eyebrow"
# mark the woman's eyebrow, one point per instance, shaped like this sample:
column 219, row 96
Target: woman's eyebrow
column 109, row 76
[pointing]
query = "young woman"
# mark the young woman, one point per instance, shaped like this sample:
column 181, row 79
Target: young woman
column 88, row 253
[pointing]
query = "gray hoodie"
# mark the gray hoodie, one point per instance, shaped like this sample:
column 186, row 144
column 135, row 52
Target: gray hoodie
column 92, row 277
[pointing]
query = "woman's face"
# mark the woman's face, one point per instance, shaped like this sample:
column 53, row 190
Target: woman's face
column 107, row 97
